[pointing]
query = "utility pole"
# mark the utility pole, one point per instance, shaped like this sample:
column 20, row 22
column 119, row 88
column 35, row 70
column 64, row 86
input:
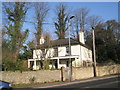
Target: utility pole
column 70, row 64
column 94, row 60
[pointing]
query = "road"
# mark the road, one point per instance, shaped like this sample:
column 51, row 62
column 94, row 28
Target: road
column 105, row 82
column 113, row 82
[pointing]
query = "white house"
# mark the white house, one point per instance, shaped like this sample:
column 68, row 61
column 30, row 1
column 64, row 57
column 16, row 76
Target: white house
column 58, row 55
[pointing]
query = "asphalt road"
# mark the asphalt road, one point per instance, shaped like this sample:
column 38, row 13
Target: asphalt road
column 112, row 82
column 105, row 83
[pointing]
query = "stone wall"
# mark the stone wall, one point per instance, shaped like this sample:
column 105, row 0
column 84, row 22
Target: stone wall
column 84, row 72
column 31, row 76
column 42, row 76
column 87, row 72
column 107, row 70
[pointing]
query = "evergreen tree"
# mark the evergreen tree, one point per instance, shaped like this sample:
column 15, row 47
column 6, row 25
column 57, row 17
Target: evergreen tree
column 107, row 41
column 61, row 24
column 16, row 15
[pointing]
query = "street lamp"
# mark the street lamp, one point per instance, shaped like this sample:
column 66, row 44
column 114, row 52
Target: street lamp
column 94, row 60
column 70, row 64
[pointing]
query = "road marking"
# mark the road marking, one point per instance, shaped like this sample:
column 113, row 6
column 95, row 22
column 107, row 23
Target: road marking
column 76, row 82
column 102, row 84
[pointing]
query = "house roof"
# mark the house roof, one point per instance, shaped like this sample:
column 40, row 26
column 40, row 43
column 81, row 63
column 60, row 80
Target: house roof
column 61, row 42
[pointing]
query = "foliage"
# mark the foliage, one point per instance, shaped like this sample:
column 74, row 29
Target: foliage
column 107, row 35
column 27, row 51
column 9, row 65
column 16, row 15
column 61, row 24
column 45, row 64
column 107, row 42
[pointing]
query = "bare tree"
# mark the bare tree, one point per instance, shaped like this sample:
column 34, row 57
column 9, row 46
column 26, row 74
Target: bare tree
column 94, row 20
column 41, row 10
column 43, row 52
column 81, row 15
column 80, row 20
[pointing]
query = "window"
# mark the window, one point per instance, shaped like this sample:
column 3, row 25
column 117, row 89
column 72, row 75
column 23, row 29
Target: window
column 55, row 52
column 60, row 62
column 67, row 50
column 43, row 52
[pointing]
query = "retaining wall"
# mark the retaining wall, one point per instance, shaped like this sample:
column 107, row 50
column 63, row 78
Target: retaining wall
column 42, row 76
column 31, row 76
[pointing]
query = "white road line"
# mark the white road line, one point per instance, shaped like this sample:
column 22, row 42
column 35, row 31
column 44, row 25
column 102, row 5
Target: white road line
column 102, row 84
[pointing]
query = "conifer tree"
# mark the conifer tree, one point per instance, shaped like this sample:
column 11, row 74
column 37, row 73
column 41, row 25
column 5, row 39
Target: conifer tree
column 16, row 16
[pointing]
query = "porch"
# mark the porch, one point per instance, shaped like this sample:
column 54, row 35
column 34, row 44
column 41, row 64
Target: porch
column 54, row 62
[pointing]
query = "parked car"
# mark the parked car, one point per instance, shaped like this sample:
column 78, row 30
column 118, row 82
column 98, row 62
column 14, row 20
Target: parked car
column 5, row 85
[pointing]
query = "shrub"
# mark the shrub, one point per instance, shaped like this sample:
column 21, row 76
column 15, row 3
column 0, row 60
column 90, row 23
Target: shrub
column 9, row 65
column 109, row 62
column 46, row 64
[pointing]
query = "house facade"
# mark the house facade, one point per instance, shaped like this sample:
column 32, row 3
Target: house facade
column 58, row 53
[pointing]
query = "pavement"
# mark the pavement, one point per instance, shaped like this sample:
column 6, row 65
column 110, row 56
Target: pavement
column 57, row 84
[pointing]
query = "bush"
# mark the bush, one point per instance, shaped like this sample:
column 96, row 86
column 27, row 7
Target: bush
column 9, row 65
column 110, row 62
column 46, row 64
column 106, row 63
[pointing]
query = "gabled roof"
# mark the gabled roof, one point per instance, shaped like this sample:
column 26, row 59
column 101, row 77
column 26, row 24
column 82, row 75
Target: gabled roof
column 61, row 42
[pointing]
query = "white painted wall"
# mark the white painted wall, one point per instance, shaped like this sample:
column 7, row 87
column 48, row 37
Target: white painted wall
column 84, row 54
column 61, row 51
column 75, row 50
column 90, row 53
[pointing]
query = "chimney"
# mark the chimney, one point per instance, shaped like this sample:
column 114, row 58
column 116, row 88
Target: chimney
column 81, row 36
column 42, row 39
